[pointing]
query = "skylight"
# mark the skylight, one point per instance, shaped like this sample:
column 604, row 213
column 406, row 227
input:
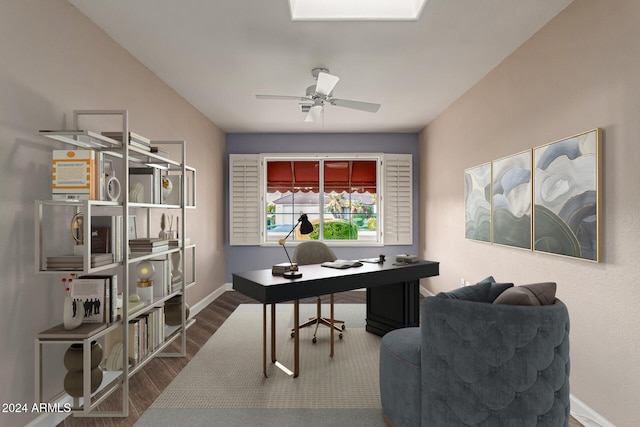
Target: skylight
column 356, row 10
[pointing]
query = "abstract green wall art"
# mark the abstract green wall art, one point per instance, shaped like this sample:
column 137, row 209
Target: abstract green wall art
column 477, row 196
column 511, row 198
column 567, row 196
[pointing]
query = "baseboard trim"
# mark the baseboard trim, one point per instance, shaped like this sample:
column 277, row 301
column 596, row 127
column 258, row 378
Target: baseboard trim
column 203, row 303
column 586, row 415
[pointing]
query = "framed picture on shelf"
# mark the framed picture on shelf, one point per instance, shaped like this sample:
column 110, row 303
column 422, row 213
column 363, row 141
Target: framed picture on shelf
column 477, row 190
column 567, row 201
column 511, row 200
column 132, row 232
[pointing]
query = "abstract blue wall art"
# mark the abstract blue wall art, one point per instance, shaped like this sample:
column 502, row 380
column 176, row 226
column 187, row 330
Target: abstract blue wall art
column 511, row 197
column 477, row 191
column 567, row 196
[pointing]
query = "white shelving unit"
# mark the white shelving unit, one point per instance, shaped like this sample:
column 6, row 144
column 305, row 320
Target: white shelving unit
column 49, row 211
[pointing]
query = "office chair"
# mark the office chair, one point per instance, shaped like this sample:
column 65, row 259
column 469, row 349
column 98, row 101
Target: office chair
column 314, row 252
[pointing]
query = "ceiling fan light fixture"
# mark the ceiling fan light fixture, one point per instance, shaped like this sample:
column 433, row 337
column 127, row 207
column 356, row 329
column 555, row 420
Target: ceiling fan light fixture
column 315, row 113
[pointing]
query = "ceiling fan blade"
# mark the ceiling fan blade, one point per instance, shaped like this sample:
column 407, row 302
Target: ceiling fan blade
column 356, row 105
column 326, row 83
column 283, row 97
column 315, row 112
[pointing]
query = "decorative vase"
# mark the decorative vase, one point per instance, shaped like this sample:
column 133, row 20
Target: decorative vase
column 73, row 356
column 72, row 360
column 73, row 382
column 72, row 314
column 173, row 311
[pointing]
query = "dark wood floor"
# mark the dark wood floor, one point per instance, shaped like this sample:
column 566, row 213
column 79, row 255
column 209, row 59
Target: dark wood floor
column 146, row 385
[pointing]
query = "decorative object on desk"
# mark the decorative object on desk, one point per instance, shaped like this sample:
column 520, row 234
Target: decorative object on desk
column 71, row 318
column 173, row 311
column 305, row 228
column 77, row 233
column 72, row 360
column 406, row 258
column 145, row 270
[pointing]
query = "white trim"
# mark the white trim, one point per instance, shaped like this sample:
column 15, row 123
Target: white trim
column 587, row 416
column 204, row 302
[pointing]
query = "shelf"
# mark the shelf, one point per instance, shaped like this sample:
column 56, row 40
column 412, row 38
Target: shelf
column 52, row 238
column 81, row 138
column 171, row 337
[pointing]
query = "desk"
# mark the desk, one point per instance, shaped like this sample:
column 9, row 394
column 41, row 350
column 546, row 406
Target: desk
column 384, row 282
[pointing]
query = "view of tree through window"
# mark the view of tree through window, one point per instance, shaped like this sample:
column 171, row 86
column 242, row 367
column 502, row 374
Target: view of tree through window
column 338, row 195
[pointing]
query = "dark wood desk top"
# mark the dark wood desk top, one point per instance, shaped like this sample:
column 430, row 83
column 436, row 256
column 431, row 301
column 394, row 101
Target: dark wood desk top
column 316, row 280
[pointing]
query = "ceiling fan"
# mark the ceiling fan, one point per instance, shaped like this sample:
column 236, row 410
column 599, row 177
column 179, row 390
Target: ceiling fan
column 313, row 102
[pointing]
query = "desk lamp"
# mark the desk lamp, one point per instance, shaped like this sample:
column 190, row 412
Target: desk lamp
column 305, row 228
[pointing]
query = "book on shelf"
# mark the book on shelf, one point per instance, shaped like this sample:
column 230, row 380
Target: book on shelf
column 135, row 140
column 114, row 225
column 88, row 295
column 100, row 239
column 74, row 175
column 148, row 241
column 176, row 243
column 162, row 277
column 148, row 245
column 110, row 295
column 76, row 262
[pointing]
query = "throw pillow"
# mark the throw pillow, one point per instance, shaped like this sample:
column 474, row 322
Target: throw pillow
column 497, row 289
column 534, row 294
column 478, row 292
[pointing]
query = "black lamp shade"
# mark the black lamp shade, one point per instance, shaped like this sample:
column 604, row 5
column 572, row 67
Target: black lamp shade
column 305, row 226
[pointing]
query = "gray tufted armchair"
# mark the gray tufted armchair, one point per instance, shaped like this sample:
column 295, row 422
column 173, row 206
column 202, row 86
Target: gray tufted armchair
column 478, row 364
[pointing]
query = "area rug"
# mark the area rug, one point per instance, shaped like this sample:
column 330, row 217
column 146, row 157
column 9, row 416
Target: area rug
column 223, row 385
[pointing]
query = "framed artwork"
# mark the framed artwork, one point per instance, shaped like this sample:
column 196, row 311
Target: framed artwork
column 477, row 197
column 567, row 196
column 511, row 198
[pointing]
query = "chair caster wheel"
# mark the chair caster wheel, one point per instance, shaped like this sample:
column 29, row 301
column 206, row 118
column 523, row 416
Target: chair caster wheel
column 344, row 327
column 314, row 340
column 293, row 334
column 340, row 336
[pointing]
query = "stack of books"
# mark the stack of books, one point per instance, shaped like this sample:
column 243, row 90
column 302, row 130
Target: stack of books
column 76, row 262
column 148, row 245
column 280, row 269
column 135, row 140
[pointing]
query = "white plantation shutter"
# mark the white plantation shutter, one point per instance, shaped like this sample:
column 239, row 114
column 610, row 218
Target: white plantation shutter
column 397, row 199
column 244, row 199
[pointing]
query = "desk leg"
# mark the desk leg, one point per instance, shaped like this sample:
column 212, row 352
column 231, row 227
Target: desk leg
column 296, row 338
column 264, row 340
column 273, row 333
column 331, row 326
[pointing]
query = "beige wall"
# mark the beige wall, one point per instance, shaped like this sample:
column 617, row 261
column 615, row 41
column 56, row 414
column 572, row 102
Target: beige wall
column 54, row 60
column 579, row 72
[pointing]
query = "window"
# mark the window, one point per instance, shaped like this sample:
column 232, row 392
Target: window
column 343, row 196
column 338, row 195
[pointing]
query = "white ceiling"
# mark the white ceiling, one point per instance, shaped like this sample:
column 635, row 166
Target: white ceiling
column 218, row 54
